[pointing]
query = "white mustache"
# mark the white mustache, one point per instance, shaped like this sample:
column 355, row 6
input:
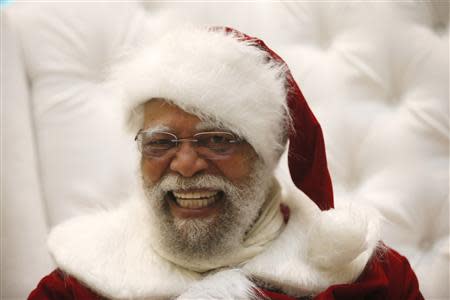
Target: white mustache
column 172, row 182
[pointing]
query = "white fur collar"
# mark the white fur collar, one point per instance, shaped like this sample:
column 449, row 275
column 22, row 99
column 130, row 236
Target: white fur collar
column 110, row 252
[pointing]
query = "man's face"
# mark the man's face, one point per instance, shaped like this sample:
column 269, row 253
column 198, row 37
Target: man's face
column 203, row 206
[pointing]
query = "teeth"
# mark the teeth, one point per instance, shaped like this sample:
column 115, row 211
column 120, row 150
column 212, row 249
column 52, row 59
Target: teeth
column 195, row 199
column 195, row 195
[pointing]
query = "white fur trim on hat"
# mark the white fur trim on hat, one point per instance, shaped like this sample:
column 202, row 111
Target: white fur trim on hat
column 213, row 75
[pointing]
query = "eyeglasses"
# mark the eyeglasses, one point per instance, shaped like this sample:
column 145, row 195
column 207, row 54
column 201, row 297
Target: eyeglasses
column 210, row 145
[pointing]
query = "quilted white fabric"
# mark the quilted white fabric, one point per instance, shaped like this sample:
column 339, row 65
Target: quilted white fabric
column 376, row 74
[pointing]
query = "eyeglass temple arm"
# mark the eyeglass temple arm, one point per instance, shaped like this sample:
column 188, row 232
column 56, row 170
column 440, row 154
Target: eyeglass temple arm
column 137, row 134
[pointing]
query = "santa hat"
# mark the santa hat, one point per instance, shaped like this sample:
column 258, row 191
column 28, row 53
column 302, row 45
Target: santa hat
column 235, row 80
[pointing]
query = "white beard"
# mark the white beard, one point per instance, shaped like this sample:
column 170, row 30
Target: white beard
column 204, row 239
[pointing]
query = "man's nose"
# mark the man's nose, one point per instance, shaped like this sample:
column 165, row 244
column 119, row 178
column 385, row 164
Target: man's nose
column 186, row 161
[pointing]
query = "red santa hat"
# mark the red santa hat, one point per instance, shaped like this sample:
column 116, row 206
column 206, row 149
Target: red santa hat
column 235, row 80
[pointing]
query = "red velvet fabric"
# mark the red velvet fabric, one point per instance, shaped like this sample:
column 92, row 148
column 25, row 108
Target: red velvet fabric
column 59, row 286
column 388, row 277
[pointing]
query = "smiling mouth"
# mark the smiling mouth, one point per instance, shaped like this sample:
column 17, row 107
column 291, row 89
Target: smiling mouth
column 195, row 199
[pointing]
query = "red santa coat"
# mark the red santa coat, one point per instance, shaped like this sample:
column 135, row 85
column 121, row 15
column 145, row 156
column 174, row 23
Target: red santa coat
column 389, row 277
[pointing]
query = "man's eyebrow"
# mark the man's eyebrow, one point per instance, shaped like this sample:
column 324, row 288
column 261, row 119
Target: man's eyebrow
column 208, row 126
column 157, row 128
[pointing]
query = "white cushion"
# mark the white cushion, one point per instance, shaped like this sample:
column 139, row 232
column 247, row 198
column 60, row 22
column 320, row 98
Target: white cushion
column 85, row 157
column 375, row 74
column 24, row 224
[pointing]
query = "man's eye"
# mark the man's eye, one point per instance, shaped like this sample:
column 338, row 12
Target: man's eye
column 158, row 144
column 215, row 141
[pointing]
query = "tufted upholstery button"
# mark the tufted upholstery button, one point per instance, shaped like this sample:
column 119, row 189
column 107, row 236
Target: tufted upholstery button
column 440, row 19
column 353, row 181
column 394, row 99
column 440, row 28
column 425, row 244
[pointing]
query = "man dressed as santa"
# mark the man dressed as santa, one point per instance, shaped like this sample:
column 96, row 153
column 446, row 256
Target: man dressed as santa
column 213, row 110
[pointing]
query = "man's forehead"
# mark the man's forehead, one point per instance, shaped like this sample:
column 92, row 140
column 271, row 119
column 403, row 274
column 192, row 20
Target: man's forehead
column 161, row 115
column 160, row 111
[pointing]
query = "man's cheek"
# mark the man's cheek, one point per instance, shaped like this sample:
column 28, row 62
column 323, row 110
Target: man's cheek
column 151, row 171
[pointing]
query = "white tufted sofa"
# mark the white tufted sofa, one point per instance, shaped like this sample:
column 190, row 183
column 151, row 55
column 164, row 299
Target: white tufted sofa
column 375, row 73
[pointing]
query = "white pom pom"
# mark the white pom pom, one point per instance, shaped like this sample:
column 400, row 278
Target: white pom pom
column 337, row 237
